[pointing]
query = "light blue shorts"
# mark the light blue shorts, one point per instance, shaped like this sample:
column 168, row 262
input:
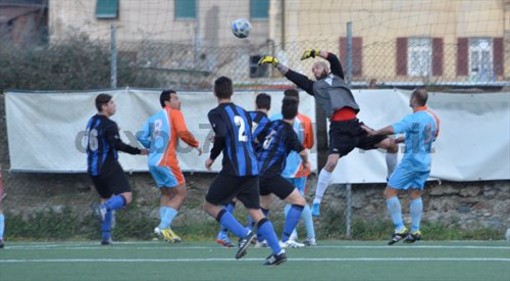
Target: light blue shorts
column 299, row 183
column 404, row 178
column 164, row 176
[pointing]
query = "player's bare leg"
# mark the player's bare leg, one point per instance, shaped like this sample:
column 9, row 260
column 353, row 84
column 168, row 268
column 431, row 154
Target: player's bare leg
column 391, row 147
column 171, row 200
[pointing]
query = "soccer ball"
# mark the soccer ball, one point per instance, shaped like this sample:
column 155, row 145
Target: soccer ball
column 241, row 28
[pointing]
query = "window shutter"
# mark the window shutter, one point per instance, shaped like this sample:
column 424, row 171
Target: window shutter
column 107, row 9
column 259, row 9
column 401, row 56
column 497, row 53
column 357, row 55
column 462, row 56
column 185, row 9
column 437, row 56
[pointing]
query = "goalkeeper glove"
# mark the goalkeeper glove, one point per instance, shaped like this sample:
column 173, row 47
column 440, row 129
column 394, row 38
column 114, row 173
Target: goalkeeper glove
column 268, row 59
column 310, row 53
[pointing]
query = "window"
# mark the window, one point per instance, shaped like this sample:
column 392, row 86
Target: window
column 257, row 71
column 419, row 56
column 185, row 9
column 259, row 9
column 480, row 59
column 107, row 9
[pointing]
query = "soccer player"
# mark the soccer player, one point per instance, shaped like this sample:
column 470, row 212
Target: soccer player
column 160, row 134
column 294, row 171
column 2, row 217
column 259, row 121
column 421, row 128
column 239, row 174
column 278, row 140
column 334, row 96
column 103, row 144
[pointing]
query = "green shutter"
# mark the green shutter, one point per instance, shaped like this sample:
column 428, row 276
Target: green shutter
column 259, row 9
column 185, row 9
column 107, row 9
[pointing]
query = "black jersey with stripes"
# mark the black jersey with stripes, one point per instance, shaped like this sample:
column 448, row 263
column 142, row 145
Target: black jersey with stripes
column 232, row 127
column 103, row 143
column 259, row 121
column 278, row 140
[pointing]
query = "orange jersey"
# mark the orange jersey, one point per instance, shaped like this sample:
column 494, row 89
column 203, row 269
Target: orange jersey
column 161, row 133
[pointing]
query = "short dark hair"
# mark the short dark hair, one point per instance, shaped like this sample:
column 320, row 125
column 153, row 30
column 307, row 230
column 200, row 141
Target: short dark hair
column 263, row 100
column 421, row 96
column 291, row 93
column 223, row 87
column 102, row 99
column 165, row 96
column 289, row 107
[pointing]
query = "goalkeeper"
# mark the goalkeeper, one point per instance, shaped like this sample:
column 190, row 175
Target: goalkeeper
column 346, row 132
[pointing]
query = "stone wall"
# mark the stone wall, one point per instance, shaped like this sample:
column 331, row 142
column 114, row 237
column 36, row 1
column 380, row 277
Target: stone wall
column 470, row 204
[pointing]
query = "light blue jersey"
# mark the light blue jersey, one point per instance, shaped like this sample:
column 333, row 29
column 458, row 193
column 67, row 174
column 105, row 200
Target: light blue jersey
column 421, row 129
column 155, row 134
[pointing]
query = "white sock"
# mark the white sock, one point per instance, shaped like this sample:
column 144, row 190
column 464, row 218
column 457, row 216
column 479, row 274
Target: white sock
column 322, row 185
column 391, row 162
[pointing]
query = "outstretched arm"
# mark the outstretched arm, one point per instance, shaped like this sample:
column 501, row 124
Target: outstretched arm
column 113, row 138
column 388, row 130
column 334, row 62
column 182, row 130
column 299, row 79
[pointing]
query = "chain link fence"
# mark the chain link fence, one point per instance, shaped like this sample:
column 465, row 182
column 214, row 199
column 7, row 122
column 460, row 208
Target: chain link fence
column 79, row 63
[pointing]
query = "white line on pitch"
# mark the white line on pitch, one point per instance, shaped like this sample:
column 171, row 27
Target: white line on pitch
column 121, row 246
column 403, row 259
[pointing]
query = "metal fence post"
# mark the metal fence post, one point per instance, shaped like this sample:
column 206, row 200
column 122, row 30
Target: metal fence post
column 348, row 66
column 113, row 53
column 348, row 187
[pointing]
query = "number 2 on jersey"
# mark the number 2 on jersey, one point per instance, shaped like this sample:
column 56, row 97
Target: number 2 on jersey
column 239, row 122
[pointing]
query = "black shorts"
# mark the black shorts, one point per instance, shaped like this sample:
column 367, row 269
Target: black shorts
column 276, row 185
column 111, row 180
column 344, row 136
column 224, row 188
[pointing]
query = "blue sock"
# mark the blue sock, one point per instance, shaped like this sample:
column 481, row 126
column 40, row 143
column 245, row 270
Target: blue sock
column 170, row 214
column 2, row 225
column 161, row 213
column 260, row 237
column 106, row 226
column 416, row 208
column 393, row 205
column 291, row 220
column 265, row 228
column 230, row 207
column 162, row 225
column 228, row 221
column 115, row 203
column 306, row 215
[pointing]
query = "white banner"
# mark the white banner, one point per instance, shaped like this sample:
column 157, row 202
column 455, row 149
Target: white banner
column 473, row 142
column 45, row 129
